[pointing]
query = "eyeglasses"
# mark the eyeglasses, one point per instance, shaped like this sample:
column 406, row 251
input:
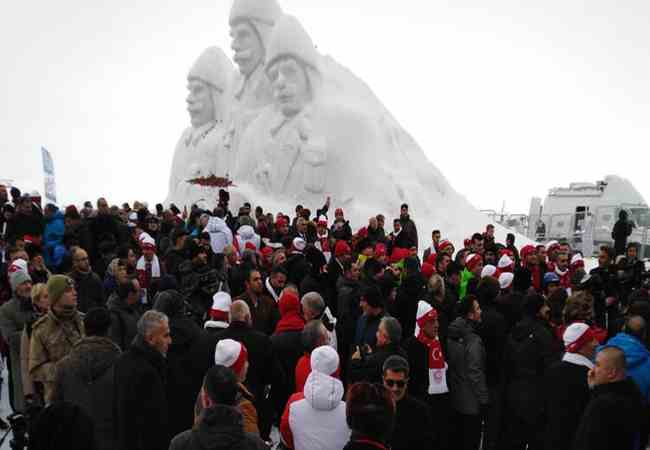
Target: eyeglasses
column 399, row 383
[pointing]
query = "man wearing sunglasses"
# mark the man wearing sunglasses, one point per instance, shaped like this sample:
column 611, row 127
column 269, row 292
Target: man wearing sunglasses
column 412, row 417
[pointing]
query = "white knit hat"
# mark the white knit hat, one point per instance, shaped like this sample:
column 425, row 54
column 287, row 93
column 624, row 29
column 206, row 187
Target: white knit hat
column 488, row 271
column 220, row 311
column 506, row 279
column 577, row 257
column 504, row 262
column 325, row 360
column 18, row 273
column 299, row 244
column 576, row 335
column 289, row 38
column 424, row 310
column 214, row 68
column 230, row 353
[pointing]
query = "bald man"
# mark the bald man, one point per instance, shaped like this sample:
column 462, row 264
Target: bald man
column 632, row 342
column 614, row 416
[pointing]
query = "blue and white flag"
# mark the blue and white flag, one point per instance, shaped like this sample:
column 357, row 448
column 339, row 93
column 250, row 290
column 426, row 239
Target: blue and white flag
column 48, row 172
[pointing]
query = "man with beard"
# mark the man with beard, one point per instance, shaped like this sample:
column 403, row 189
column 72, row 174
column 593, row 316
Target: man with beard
column 264, row 310
column 55, row 334
column 13, row 316
column 408, row 226
column 528, row 354
column 275, row 282
column 89, row 286
column 176, row 254
column 199, row 281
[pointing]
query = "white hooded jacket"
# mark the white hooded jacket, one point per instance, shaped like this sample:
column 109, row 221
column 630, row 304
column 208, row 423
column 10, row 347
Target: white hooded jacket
column 247, row 234
column 220, row 234
column 315, row 418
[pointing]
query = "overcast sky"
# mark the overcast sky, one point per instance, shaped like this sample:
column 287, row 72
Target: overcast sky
column 507, row 98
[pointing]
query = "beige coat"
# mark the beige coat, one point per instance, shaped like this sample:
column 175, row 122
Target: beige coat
column 52, row 340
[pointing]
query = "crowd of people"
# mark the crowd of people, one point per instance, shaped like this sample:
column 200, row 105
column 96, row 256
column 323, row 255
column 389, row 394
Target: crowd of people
column 129, row 328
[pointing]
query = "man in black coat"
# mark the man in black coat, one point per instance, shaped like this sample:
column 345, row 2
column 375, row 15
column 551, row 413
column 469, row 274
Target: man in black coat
column 90, row 289
column 28, row 220
column 622, row 230
column 615, row 415
column 566, row 389
column 220, row 426
column 528, row 354
column 408, row 226
column 427, row 379
column 366, row 364
column 187, row 360
column 86, row 376
column 265, row 371
column 141, row 410
column 413, row 426
column 493, row 333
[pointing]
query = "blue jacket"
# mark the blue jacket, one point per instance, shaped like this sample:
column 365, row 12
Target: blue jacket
column 637, row 359
column 53, row 249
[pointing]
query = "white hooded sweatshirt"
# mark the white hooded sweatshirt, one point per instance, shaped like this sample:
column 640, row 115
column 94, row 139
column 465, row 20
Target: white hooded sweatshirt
column 220, row 234
column 315, row 418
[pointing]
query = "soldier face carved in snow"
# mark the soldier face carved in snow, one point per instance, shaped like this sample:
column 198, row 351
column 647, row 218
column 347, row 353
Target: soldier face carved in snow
column 248, row 47
column 200, row 104
column 290, row 84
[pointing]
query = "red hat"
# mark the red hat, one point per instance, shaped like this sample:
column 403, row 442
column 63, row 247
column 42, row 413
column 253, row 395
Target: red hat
column 338, row 211
column 428, row 270
column 399, row 254
column 432, row 259
column 526, row 251
column 322, row 223
column 281, row 221
column 363, row 232
column 380, row 249
column 473, row 260
column 443, row 245
column 266, row 251
column 342, row 248
column 505, row 251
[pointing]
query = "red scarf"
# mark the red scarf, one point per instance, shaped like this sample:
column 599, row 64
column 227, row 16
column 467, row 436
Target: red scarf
column 290, row 319
column 436, row 361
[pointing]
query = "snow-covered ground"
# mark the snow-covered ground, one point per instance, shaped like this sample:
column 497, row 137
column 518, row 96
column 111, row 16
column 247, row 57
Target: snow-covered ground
column 5, row 409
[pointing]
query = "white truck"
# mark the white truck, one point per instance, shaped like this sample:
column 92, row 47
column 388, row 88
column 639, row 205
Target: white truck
column 584, row 214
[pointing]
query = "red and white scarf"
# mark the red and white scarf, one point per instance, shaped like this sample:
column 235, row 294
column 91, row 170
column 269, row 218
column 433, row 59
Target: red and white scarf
column 437, row 365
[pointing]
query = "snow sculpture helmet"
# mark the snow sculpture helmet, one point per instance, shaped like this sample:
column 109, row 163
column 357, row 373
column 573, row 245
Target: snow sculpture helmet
column 208, row 80
column 291, row 46
column 260, row 16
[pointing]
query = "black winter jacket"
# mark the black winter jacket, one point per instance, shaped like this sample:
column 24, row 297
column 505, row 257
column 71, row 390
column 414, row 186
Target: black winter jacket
column 141, row 409
column 221, row 428
column 85, row 378
column 613, row 419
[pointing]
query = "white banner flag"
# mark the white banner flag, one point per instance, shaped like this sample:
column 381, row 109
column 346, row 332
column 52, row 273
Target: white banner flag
column 48, row 173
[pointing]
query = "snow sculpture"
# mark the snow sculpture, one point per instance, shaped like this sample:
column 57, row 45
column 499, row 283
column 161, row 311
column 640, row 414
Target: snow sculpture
column 200, row 153
column 301, row 148
column 251, row 24
column 301, row 127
